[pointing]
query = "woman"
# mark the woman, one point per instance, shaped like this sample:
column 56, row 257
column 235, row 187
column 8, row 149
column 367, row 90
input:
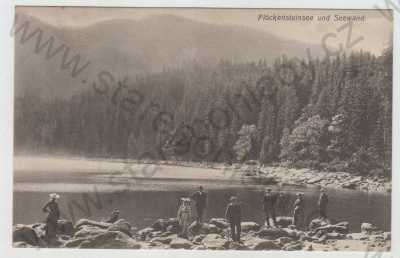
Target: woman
column 184, row 215
column 51, row 207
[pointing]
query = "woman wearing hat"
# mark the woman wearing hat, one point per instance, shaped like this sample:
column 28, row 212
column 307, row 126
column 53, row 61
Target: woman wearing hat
column 51, row 207
column 184, row 215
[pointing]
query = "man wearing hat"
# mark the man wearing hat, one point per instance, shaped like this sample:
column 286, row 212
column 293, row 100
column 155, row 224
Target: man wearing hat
column 322, row 203
column 200, row 200
column 269, row 202
column 233, row 215
column 51, row 207
column 298, row 210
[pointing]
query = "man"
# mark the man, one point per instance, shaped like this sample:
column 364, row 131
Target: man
column 200, row 199
column 322, row 204
column 233, row 215
column 51, row 207
column 298, row 211
column 269, row 203
column 114, row 216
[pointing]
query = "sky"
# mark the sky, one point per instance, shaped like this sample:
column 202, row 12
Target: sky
column 376, row 31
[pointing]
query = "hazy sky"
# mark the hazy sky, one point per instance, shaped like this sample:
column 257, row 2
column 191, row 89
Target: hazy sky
column 376, row 30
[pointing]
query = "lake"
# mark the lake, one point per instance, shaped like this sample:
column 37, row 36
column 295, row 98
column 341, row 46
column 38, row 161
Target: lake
column 143, row 201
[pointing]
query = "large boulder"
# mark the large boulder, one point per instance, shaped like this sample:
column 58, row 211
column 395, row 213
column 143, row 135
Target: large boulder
column 180, row 243
column 316, row 223
column 219, row 222
column 249, row 226
column 203, row 228
column 341, row 227
column 272, row 233
column 293, row 246
column 21, row 245
column 65, row 227
column 143, row 233
column 256, row 243
column 122, row 226
column 170, row 224
column 215, row 242
column 88, row 222
column 284, row 221
column 26, row 234
column 110, row 239
column 86, row 231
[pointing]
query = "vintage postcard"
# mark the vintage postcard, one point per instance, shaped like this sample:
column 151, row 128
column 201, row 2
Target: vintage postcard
column 202, row 128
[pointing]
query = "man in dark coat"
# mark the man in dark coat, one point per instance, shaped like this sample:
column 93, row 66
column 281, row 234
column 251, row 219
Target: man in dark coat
column 233, row 215
column 51, row 207
column 200, row 199
column 322, row 204
column 298, row 211
column 269, row 203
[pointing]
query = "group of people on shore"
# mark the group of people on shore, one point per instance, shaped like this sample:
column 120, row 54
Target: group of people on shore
column 233, row 212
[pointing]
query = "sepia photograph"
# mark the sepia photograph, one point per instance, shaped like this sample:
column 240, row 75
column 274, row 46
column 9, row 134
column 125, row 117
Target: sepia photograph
column 202, row 128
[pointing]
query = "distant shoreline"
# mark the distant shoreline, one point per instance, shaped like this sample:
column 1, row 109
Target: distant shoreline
column 148, row 169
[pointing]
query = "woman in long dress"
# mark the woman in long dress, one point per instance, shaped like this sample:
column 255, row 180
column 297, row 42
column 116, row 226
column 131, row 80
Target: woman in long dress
column 184, row 216
column 51, row 207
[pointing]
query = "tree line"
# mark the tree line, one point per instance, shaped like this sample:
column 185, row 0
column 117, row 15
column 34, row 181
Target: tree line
column 332, row 114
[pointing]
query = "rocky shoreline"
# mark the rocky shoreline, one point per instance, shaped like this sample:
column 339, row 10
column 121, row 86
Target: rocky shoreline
column 320, row 235
column 253, row 172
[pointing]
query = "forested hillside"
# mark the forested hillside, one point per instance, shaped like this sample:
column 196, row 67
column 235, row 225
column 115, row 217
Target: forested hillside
column 333, row 114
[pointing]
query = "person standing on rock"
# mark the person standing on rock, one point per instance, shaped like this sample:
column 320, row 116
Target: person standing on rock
column 184, row 215
column 269, row 203
column 114, row 216
column 233, row 215
column 322, row 204
column 298, row 211
column 51, row 207
column 200, row 199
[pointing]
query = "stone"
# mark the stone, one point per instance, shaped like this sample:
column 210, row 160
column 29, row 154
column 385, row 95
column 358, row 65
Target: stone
column 284, row 240
column 87, row 222
column 316, row 223
column 256, row 243
column 272, row 232
column 180, row 243
column 215, row 242
column 110, row 239
column 335, row 235
column 88, row 231
column 170, row 224
column 197, row 239
column 266, row 245
column 163, row 240
column 293, row 246
column 145, row 232
column 22, row 245
column 65, row 227
column 368, row 228
column 219, row 222
column 23, row 233
column 249, row 226
column 387, row 236
column 284, row 221
column 122, row 226
column 237, row 246
column 340, row 228
column 74, row 242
